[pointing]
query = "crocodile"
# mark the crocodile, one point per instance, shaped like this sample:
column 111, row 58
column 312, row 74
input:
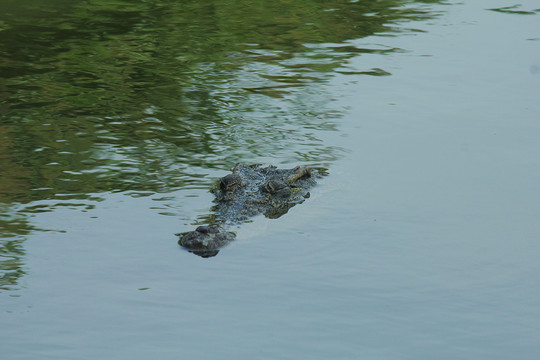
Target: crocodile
column 248, row 191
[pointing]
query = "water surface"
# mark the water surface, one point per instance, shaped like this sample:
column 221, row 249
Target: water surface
column 118, row 117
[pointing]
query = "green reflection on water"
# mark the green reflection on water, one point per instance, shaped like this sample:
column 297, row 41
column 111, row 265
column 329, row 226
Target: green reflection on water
column 514, row 9
column 11, row 251
column 118, row 96
column 148, row 97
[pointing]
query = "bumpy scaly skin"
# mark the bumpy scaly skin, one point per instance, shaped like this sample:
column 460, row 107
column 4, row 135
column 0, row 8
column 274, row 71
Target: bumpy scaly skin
column 250, row 190
column 260, row 190
column 206, row 238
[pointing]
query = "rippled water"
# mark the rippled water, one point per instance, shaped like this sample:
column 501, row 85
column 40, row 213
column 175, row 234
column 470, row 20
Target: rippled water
column 116, row 118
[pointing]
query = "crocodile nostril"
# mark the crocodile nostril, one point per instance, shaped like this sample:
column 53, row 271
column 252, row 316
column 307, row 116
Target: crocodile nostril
column 203, row 229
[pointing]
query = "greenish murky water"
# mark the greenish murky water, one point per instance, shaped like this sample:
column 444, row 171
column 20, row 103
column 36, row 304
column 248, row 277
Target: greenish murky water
column 117, row 117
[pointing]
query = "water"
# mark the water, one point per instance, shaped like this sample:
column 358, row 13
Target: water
column 422, row 243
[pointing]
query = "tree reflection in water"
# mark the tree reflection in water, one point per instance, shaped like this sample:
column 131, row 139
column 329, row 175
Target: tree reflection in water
column 146, row 97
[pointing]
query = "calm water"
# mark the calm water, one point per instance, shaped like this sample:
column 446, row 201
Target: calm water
column 116, row 118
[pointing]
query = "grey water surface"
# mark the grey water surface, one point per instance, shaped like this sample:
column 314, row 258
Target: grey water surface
column 117, row 118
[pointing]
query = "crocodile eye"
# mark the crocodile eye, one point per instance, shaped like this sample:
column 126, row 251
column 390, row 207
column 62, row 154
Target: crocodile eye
column 276, row 187
column 229, row 182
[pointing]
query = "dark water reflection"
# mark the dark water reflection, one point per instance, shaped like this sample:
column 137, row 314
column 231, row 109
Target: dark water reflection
column 148, row 97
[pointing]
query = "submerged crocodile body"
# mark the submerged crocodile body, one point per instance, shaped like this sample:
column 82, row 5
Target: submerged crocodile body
column 249, row 191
